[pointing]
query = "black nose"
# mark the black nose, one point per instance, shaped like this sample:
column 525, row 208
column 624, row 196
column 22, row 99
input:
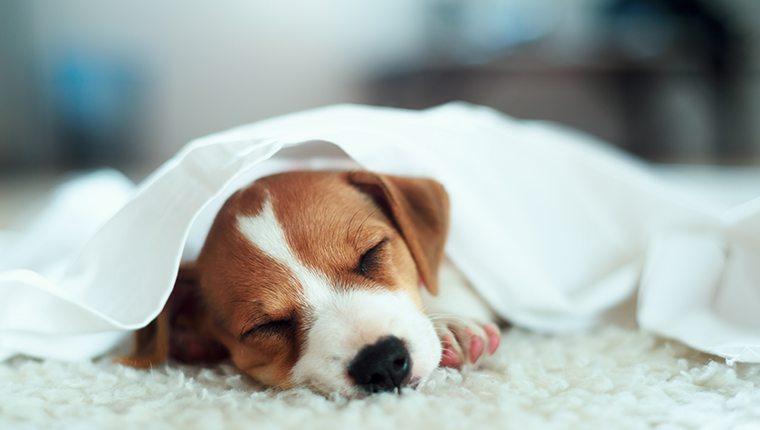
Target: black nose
column 383, row 366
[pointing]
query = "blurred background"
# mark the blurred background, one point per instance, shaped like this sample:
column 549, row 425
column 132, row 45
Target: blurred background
column 89, row 83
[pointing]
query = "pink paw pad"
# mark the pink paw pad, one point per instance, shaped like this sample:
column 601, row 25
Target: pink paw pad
column 476, row 348
column 493, row 337
column 476, row 345
column 449, row 358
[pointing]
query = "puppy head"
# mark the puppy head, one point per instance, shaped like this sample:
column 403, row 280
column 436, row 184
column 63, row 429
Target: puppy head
column 312, row 279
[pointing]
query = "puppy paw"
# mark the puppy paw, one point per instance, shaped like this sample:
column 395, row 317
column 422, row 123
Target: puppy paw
column 466, row 342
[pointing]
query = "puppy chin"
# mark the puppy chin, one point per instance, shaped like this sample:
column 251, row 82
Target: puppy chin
column 350, row 320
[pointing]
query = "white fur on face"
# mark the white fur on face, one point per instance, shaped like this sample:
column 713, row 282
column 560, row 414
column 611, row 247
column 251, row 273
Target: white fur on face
column 342, row 319
column 353, row 319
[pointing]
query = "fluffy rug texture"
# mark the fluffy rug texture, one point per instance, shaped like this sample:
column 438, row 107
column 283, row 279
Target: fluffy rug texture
column 610, row 378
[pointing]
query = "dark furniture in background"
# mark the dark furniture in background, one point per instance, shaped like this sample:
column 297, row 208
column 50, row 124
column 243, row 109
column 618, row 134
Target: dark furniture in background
column 620, row 93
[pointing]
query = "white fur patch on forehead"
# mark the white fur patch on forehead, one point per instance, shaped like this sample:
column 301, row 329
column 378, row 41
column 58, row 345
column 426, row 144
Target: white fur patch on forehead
column 264, row 232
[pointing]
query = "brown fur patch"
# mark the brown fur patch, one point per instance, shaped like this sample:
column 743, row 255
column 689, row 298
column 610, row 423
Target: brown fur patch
column 243, row 288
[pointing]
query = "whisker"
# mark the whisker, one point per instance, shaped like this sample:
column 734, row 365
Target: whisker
column 441, row 315
column 243, row 301
column 451, row 317
column 348, row 229
column 362, row 224
column 436, row 299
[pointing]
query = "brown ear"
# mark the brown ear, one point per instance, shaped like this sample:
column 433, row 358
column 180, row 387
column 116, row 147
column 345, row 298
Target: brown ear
column 151, row 344
column 419, row 208
column 177, row 331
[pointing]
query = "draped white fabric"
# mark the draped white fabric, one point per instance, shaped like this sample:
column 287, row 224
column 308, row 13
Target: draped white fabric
column 552, row 227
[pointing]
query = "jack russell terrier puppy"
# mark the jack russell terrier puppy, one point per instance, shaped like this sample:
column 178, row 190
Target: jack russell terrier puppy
column 325, row 280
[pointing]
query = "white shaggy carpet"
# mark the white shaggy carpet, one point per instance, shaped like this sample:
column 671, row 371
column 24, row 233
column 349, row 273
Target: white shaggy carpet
column 611, row 378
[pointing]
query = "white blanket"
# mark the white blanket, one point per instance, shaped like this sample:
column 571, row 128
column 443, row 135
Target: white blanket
column 552, row 227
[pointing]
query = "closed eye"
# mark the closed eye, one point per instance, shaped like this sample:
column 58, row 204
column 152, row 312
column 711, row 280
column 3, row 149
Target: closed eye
column 370, row 260
column 270, row 329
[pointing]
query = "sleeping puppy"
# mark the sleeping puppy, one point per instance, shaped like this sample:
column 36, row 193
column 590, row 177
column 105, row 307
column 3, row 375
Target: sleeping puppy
column 325, row 280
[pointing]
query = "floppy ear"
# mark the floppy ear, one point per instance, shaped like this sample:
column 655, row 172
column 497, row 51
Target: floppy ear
column 177, row 331
column 419, row 208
